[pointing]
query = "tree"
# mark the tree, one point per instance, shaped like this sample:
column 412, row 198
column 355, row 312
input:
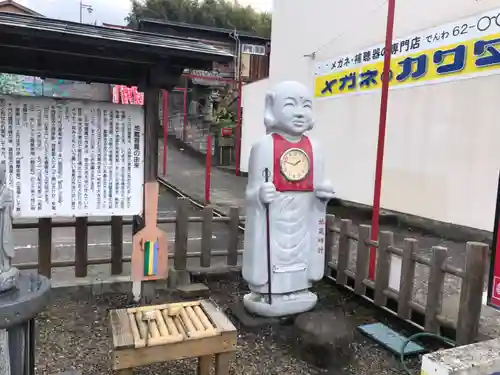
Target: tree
column 214, row 13
column 11, row 84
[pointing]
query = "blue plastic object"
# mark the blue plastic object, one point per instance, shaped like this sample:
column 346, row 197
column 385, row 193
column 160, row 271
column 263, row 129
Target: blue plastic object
column 390, row 339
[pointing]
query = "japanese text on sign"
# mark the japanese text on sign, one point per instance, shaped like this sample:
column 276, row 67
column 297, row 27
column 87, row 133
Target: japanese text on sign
column 458, row 50
column 69, row 158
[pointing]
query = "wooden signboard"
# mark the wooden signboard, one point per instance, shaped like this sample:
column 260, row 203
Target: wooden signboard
column 149, row 245
column 226, row 132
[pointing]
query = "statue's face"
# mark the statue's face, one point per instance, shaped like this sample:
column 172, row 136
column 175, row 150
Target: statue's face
column 293, row 108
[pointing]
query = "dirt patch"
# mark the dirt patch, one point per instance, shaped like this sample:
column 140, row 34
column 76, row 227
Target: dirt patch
column 74, row 333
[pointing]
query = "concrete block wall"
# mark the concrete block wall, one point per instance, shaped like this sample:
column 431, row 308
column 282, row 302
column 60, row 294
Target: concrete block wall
column 482, row 358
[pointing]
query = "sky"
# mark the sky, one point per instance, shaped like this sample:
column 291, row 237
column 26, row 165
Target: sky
column 260, row 5
column 109, row 11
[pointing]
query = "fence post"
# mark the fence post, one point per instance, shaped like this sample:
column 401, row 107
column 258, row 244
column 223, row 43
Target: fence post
column 407, row 278
column 81, row 248
column 206, row 236
column 181, row 235
column 344, row 250
column 435, row 289
column 362, row 258
column 45, row 247
column 232, row 245
column 471, row 293
column 116, row 245
column 386, row 240
column 329, row 241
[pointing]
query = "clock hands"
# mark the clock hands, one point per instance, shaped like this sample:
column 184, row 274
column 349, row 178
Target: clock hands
column 294, row 164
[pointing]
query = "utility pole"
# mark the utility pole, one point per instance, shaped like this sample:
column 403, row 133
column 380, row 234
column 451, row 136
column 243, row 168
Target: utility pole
column 82, row 7
column 381, row 135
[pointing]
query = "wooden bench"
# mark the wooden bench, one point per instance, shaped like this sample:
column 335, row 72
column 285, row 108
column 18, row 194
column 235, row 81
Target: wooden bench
column 153, row 334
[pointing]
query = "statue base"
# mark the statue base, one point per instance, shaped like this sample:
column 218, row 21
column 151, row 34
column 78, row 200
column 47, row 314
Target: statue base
column 249, row 320
column 282, row 304
column 9, row 279
column 18, row 309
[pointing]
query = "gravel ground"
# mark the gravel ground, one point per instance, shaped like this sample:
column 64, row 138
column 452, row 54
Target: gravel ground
column 74, row 333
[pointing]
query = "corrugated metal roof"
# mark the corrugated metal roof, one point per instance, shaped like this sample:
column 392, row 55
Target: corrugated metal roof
column 65, row 28
column 218, row 30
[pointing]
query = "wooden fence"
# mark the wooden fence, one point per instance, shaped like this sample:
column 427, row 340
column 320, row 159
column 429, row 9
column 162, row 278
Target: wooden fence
column 399, row 303
column 403, row 305
column 180, row 255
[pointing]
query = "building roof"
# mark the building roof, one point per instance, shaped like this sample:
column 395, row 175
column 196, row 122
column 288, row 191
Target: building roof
column 20, row 7
column 69, row 50
column 113, row 26
column 156, row 25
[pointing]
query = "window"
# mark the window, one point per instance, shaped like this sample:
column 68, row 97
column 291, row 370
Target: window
column 259, row 50
column 253, row 49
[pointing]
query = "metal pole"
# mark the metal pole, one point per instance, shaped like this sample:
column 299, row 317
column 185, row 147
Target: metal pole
column 238, row 123
column 208, row 168
column 88, row 7
column 381, row 135
column 237, row 142
column 184, row 126
column 165, row 131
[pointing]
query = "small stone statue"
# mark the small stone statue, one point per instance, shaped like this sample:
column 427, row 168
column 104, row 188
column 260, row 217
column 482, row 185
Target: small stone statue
column 286, row 181
column 8, row 275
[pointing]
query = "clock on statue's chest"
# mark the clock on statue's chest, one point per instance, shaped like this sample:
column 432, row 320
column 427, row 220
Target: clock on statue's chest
column 293, row 164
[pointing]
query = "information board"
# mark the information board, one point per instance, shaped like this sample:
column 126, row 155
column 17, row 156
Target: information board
column 494, row 277
column 72, row 158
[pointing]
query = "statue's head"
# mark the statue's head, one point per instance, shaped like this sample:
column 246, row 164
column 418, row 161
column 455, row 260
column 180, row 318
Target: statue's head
column 289, row 109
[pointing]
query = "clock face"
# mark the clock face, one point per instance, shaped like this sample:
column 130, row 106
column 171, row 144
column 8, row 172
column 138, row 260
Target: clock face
column 294, row 164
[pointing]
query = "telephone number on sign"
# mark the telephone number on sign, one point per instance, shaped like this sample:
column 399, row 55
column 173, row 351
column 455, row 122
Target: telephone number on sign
column 483, row 24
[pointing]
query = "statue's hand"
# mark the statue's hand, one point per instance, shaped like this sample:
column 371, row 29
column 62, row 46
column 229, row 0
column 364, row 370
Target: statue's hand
column 325, row 191
column 268, row 192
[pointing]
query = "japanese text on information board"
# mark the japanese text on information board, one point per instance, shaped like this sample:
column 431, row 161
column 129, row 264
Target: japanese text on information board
column 70, row 158
column 459, row 50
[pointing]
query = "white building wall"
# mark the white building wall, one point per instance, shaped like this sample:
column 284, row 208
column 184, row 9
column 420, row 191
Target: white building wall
column 252, row 127
column 442, row 152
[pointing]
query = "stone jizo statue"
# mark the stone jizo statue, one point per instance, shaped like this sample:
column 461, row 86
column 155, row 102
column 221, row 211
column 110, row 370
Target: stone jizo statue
column 295, row 195
column 8, row 275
